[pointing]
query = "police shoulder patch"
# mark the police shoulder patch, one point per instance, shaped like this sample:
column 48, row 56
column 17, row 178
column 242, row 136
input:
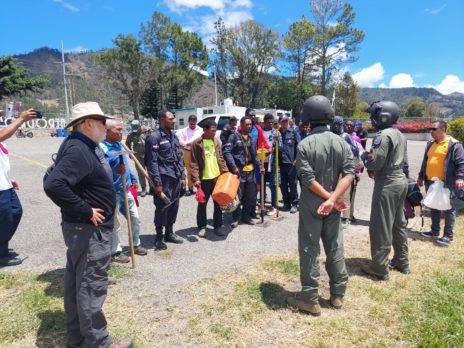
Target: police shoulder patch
column 377, row 141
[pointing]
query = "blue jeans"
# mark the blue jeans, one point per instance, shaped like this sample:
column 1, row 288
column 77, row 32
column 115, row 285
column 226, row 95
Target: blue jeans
column 10, row 216
column 134, row 217
column 450, row 217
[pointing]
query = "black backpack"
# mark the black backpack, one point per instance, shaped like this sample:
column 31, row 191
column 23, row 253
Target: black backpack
column 414, row 195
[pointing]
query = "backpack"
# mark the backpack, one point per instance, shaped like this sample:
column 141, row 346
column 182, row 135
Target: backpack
column 414, row 195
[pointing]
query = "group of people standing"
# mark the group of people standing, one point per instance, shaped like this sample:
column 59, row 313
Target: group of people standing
column 91, row 181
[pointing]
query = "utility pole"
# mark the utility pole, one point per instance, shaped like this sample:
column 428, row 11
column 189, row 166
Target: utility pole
column 215, row 87
column 65, row 83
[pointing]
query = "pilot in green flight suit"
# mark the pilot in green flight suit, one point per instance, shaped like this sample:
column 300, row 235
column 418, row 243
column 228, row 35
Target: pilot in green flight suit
column 387, row 163
column 325, row 167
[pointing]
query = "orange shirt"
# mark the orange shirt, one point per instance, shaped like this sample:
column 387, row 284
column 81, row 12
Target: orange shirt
column 436, row 160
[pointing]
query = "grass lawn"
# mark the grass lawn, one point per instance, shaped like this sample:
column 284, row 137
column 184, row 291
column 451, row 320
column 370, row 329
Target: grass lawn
column 247, row 308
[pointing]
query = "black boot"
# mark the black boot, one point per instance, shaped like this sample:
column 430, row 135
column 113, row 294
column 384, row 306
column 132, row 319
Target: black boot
column 171, row 237
column 159, row 243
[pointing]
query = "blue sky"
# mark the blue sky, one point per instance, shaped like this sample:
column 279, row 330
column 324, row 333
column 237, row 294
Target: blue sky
column 408, row 43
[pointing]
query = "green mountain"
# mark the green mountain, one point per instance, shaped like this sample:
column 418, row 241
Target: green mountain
column 87, row 81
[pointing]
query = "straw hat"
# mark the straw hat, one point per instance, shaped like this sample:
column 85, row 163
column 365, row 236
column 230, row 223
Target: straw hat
column 84, row 110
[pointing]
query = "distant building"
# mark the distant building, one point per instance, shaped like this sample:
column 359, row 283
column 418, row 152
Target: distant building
column 226, row 108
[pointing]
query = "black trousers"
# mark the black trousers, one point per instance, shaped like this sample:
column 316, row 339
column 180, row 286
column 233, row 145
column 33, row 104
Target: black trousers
column 208, row 186
column 88, row 258
column 168, row 216
column 288, row 184
column 247, row 195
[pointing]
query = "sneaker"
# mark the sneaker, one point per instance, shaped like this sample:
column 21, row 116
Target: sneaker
column 234, row 224
column 171, row 237
column 353, row 220
column 143, row 193
column 293, row 209
column 120, row 258
column 202, row 232
column 189, row 193
column 140, row 250
column 430, row 234
column 271, row 211
column 285, row 208
column 444, row 241
column 8, row 260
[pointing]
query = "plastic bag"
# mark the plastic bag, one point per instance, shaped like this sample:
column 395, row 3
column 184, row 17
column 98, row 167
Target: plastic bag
column 200, row 196
column 438, row 197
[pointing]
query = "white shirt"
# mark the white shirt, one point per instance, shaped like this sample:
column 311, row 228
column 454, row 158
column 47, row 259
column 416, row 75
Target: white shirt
column 5, row 178
column 187, row 136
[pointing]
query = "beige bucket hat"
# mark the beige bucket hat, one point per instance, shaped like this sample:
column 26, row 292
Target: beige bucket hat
column 84, row 110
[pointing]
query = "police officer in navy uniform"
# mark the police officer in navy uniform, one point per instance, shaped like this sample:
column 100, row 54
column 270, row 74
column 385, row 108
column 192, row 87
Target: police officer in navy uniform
column 241, row 157
column 288, row 180
column 164, row 161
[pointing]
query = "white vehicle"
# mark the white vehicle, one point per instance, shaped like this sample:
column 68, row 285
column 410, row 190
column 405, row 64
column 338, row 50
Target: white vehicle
column 221, row 121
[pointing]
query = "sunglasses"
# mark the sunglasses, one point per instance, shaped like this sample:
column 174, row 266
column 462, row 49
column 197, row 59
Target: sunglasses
column 433, row 129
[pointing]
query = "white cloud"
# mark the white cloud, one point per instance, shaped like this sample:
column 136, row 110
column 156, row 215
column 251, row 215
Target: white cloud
column 435, row 11
column 369, row 76
column 450, row 84
column 77, row 49
column 70, row 7
column 242, row 3
column 383, row 85
column 179, row 5
column 401, row 80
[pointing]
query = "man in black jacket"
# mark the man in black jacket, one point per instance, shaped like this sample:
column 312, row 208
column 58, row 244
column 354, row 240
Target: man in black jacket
column 81, row 184
column 443, row 160
column 240, row 155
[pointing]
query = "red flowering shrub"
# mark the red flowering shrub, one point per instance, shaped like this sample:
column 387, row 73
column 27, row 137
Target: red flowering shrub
column 413, row 126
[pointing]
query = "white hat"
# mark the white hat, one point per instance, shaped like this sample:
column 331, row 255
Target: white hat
column 83, row 110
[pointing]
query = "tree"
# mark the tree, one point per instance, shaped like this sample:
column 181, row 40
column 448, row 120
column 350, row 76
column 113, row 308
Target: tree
column 335, row 39
column 15, row 79
column 129, row 68
column 287, row 94
column 297, row 43
column 346, row 96
column 249, row 54
column 220, row 59
column 415, row 107
column 360, row 112
column 179, row 57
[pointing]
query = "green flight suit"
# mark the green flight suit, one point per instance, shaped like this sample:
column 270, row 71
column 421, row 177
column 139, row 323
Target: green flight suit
column 136, row 142
column 323, row 157
column 387, row 222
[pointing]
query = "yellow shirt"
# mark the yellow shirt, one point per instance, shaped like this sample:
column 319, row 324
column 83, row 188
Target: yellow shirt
column 248, row 167
column 436, row 160
column 211, row 169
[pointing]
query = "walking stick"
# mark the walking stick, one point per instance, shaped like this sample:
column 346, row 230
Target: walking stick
column 276, row 139
column 128, row 218
column 262, row 157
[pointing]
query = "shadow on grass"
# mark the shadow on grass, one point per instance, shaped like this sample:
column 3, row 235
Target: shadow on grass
column 354, row 264
column 51, row 332
column 274, row 295
column 55, row 280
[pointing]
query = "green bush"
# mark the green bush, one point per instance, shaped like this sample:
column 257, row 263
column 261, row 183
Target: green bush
column 456, row 129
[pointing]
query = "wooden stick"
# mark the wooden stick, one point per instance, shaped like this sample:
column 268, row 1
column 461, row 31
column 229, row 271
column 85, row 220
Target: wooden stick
column 128, row 218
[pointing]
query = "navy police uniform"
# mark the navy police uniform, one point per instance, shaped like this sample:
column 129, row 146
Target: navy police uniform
column 164, row 161
column 287, row 153
column 238, row 153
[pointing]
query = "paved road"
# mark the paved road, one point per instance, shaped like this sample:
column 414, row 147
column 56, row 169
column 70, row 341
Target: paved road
column 39, row 235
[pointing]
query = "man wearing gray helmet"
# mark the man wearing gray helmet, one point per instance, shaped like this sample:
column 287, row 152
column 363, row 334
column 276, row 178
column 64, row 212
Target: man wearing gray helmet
column 322, row 185
column 387, row 164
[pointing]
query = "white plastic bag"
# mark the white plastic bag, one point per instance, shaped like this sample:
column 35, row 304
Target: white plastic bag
column 438, row 197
